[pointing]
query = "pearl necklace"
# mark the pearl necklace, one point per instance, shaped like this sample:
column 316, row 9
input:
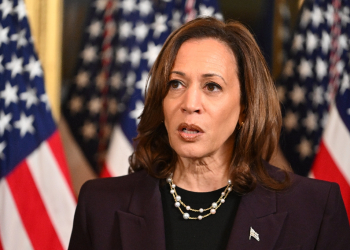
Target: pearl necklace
column 214, row 206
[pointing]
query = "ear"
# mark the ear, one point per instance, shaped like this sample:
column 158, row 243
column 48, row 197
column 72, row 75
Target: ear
column 242, row 115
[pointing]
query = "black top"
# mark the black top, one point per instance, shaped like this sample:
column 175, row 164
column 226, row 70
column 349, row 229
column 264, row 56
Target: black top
column 211, row 232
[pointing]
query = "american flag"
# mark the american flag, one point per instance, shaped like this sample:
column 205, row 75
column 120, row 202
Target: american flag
column 315, row 94
column 36, row 199
column 107, row 96
column 305, row 90
column 332, row 162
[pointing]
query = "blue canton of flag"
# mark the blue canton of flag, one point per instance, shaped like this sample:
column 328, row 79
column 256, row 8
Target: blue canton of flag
column 342, row 98
column 140, row 28
column 25, row 115
column 304, row 88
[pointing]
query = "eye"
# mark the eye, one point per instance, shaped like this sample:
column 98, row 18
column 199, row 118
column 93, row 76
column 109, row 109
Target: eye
column 175, row 84
column 213, row 87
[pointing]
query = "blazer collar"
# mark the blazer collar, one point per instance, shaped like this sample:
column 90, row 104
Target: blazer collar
column 142, row 227
column 257, row 212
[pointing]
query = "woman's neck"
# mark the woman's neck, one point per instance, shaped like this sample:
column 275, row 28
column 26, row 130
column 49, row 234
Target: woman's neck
column 201, row 176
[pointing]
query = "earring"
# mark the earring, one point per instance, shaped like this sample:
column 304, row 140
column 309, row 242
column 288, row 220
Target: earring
column 240, row 125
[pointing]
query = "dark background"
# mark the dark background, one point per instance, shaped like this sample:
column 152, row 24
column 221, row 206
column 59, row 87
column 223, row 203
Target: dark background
column 257, row 15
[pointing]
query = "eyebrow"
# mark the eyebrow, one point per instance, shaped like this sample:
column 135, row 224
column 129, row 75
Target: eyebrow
column 204, row 75
column 178, row 73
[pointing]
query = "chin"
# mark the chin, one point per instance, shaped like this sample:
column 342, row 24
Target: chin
column 191, row 153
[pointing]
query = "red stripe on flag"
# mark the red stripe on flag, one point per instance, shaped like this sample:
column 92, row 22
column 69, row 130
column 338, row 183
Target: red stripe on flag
column 324, row 168
column 56, row 147
column 104, row 172
column 32, row 209
column 1, row 248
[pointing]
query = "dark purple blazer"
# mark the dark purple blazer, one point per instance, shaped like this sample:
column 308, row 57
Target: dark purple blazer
column 126, row 213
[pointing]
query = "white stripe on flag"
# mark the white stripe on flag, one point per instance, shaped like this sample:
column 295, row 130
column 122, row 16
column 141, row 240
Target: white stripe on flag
column 52, row 184
column 118, row 153
column 12, row 232
column 337, row 140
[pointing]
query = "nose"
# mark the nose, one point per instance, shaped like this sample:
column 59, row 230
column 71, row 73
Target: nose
column 192, row 102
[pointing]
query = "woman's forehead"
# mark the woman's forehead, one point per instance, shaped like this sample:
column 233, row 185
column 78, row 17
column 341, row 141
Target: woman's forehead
column 207, row 54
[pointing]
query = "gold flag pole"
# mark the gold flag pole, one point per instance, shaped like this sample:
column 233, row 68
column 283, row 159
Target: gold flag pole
column 45, row 18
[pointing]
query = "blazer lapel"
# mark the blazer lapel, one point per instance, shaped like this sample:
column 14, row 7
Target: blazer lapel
column 257, row 213
column 142, row 227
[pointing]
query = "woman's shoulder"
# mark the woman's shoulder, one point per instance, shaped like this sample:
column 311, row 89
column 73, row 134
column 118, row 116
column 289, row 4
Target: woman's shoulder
column 308, row 193
column 304, row 188
column 312, row 191
column 314, row 185
column 125, row 181
column 114, row 188
column 297, row 181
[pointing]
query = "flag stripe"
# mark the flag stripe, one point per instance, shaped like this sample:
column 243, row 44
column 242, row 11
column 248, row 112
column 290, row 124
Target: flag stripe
column 326, row 169
column 12, row 233
column 117, row 160
column 337, row 138
column 55, row 144
column 104, row 172
column 61, row 211
column 32, row 209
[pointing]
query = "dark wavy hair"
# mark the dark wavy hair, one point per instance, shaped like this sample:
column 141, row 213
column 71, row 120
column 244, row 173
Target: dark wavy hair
column 254, row 142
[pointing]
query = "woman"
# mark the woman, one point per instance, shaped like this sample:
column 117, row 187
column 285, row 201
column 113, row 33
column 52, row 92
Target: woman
column 210, row 125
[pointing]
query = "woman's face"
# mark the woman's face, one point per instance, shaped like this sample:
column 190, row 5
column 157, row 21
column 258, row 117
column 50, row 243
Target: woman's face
column 202, row 106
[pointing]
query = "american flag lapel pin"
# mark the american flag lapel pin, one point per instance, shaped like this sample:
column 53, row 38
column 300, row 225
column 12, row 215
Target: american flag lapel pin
column 253, row 234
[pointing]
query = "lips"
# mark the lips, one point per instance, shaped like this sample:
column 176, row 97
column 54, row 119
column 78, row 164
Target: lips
column 190, row 132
